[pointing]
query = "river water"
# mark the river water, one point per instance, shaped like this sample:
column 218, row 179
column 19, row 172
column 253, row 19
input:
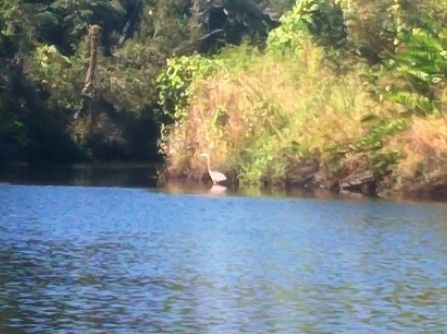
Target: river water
column 88, row 259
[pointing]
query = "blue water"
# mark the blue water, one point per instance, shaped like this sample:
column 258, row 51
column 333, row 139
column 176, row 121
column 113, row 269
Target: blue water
column 119, row 260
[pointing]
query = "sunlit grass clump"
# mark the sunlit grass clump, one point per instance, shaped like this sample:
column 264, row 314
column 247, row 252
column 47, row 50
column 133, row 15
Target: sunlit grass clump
column 424, row 151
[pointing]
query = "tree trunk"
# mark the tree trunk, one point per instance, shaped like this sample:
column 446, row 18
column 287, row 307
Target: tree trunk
column 93, row 34
column 127, row 27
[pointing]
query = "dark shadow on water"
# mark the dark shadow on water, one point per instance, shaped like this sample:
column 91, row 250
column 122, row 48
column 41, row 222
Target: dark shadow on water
column 103, row 175
column 145, row 176
column 134, row 175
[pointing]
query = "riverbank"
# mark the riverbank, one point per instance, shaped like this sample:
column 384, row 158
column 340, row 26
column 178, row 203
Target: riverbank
column 318, row 181
column 314, row 182
column 310, row 111
column 263, row 127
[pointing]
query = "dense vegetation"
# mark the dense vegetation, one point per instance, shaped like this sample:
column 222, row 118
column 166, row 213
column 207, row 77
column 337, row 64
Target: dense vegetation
column 345, row 95
column 45, row 114
column 336, row 94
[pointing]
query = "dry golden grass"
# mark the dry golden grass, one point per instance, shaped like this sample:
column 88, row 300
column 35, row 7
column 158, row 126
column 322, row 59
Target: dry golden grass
column 424, row 147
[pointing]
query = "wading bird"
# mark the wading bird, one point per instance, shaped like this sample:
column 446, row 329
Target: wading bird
column 215, row 175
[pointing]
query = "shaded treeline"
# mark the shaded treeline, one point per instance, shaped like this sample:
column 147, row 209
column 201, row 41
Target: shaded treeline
column 44, row 55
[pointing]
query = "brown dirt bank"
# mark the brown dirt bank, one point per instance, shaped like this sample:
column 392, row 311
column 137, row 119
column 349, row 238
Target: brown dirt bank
column 353, row 178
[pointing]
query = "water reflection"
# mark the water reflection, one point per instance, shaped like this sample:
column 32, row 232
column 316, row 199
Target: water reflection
column 217, row 189
column 75, row 259
column 116, row 174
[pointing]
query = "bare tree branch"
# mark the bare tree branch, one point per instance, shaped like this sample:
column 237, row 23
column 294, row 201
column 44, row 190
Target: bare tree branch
column 93, row 34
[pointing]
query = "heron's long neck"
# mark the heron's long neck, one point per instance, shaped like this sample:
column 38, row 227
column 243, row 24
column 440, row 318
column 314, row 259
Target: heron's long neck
column 208, row 162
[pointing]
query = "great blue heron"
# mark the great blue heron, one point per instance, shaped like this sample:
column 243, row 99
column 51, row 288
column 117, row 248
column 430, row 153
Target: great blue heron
column 215, row 175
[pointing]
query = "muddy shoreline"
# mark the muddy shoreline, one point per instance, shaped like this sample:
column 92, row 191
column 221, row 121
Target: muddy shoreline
column 319, row 182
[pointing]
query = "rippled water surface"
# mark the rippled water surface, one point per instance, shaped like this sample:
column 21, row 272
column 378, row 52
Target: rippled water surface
column 120, row 260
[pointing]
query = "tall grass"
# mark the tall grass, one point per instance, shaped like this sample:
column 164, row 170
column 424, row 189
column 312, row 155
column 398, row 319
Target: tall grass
column 260, row 115
column 424, row 151
column 300, row 106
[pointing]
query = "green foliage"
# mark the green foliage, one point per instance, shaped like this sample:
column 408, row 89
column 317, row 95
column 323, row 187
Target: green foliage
column 420, row 70
column 293, row 28
column 310, row 94
column 412, row 101
column 173, row 83
column 321, row 19
column 45, row 45
column 380, row 132
column 255, row 161
column 383, row 162
column 58, row 74
column 335, row 78
column 423, row 58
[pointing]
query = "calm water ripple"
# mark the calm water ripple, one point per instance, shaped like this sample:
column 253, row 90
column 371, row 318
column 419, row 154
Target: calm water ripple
column 111, row 260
